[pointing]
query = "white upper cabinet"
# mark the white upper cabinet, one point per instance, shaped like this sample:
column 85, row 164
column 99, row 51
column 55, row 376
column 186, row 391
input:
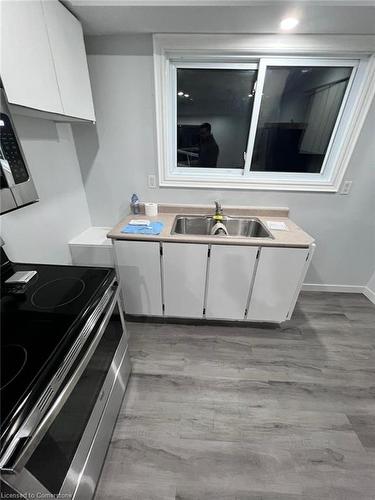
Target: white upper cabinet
column 278, row 279
column 27, row 67
column 230, row 275
column 68, row 49
column 44, row 65
column 184, row 279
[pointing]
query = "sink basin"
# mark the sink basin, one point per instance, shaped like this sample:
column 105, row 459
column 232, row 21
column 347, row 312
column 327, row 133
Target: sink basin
column 238, row 227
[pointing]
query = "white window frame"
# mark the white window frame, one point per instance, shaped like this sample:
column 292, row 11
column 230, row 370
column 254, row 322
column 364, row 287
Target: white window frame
column 170, row 54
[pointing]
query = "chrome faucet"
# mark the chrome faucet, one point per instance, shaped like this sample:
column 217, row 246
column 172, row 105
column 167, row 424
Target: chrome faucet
column 218, row 228
column 218, row 209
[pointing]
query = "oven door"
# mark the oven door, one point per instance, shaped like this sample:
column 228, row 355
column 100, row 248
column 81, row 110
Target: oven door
column 69, row 457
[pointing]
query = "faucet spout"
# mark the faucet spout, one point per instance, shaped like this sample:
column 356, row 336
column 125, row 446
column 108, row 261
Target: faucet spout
column 218, row 209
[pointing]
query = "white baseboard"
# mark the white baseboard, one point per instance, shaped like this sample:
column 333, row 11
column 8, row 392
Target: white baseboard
column 317, row 287
column 370, row 294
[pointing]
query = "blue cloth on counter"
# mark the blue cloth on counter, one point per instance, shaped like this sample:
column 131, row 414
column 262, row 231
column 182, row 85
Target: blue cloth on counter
column 154, row 228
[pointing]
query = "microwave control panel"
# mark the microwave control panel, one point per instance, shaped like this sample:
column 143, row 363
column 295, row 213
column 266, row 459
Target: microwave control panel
column 10, row 150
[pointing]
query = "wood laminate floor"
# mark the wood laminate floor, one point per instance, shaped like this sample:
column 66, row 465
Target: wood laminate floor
column 234, row 413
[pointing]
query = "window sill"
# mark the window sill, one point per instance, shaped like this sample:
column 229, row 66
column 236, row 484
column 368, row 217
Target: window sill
column 225, row 178
column 237, row 181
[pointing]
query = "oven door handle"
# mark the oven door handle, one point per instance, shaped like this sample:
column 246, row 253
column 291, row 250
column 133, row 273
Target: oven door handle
column 24, row 446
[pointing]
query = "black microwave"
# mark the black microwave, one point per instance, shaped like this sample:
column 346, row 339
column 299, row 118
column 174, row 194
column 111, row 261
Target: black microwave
column 17, row 186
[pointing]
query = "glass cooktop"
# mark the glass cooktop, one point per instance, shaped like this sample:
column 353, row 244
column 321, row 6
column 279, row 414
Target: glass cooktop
column 39, row 326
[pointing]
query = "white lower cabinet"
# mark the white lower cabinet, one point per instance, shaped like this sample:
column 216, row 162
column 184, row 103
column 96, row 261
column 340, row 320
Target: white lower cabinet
column 138, row 265
column 230, row 282
column 184, row 279
column 230, row 274
column 278, row 279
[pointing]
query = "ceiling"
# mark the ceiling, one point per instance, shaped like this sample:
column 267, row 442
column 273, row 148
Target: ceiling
column 105, row 17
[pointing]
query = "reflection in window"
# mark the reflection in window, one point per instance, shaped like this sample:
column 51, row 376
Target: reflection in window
column 298, row 112
column 214, row 109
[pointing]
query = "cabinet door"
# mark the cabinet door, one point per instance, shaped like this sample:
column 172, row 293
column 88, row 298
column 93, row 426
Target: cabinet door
column 278, row 278
column 184, row 279
column 69, row 55
column 138, row 264
column 27, row 68
column 230, row 274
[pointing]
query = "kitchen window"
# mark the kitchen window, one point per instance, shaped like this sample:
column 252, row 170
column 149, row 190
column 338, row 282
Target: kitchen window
column 222, row 99
column 297, row 114
column 255, row 122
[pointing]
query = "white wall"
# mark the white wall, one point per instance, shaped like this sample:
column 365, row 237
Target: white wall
column 118, row 154
column 40, row 232
column 371, row 283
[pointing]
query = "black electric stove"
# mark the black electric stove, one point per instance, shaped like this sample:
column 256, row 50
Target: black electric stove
column 38, row 327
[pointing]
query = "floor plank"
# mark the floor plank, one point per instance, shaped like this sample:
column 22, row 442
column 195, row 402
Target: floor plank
column 235, row 413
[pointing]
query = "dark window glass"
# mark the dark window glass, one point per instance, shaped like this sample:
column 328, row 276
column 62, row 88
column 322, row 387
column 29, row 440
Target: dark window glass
column 214, row 109
column 298, row 112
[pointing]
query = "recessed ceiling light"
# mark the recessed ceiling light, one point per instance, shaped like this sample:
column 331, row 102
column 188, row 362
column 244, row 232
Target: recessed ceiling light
column 186, row 95
column 289, row 23
column 180, row 93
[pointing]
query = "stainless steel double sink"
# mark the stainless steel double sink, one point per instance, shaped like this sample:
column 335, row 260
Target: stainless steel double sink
column 237, row 227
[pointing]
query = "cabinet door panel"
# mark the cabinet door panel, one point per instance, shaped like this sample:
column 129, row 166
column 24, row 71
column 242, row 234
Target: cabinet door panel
column 68, row 49
column 138, row 264
column 27, row 67
column 279, row 274
column 230, row 273
column 184, row 271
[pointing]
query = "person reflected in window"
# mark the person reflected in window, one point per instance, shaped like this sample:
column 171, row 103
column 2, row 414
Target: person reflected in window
column 208, row 148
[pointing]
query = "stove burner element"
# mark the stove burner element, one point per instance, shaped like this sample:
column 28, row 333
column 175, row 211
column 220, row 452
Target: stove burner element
column 13, row 359
column 57, row 293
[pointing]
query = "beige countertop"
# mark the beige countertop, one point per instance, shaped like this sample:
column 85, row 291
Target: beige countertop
column 293, row 237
